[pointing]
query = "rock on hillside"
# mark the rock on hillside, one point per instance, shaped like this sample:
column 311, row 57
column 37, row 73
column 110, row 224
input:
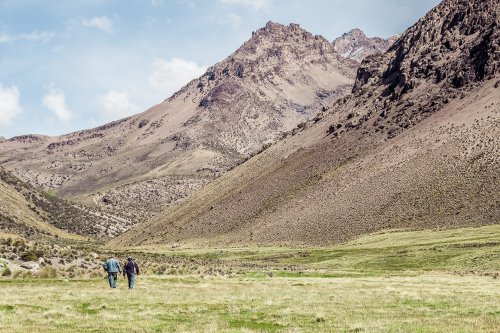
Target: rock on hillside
column 416, row 146
column 282, row 76
column 356, row 46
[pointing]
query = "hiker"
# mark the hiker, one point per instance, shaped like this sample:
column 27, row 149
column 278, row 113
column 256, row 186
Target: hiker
column 131, row 269
column 112, row 266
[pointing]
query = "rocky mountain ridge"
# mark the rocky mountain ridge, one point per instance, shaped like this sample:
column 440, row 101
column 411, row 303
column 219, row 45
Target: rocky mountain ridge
column 415, row 146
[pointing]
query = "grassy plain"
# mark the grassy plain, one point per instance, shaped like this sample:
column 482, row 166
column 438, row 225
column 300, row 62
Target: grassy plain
column 421, row 281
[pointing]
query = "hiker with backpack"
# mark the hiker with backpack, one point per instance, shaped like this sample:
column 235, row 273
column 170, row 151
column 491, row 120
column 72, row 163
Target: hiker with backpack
column 131, row 270
column 112, row 266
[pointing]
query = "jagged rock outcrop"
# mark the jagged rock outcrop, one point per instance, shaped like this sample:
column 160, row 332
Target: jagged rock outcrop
column 456, row 44
column 445, row 53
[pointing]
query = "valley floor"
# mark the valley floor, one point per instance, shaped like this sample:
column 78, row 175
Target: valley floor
column 393, row 281
column 420, row 303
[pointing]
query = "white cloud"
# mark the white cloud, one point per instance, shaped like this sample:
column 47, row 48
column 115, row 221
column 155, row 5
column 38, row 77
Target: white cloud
column 171, row 75
column 118, row 104
column 102, row 23
column 34, row 36
column 55, row 102
column 255, row 4
column 10, row 105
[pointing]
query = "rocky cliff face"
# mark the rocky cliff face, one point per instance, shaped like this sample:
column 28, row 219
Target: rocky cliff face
column 456, row 44
column 356, row 46
column 282, row 76
column 445, row 54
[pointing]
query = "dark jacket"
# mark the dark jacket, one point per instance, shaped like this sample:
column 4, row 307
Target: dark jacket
column 130, row 267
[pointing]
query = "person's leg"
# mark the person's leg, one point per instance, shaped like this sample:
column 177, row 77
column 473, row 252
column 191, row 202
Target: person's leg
column 115, row 279
column 131, row 281
column 110, row 280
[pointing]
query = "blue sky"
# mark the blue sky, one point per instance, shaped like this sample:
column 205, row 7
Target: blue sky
column 69, row 65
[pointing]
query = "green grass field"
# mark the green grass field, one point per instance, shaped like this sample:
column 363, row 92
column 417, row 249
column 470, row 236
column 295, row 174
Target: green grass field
column 425, row 281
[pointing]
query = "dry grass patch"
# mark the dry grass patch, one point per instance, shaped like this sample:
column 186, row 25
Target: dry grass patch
column 425, row 303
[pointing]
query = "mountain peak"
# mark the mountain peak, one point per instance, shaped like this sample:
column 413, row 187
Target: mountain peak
column 277, row 44
column 274, row 31
column 356, row 45
column 356, row 32
column 275, row 27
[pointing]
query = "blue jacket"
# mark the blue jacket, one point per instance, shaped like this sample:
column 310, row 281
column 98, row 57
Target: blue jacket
column 112, row 266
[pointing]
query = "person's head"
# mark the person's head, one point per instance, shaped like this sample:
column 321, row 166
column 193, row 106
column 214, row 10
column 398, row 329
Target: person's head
column 129, row 258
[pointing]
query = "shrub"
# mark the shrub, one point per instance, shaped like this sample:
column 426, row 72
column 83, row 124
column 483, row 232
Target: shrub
column 28, row 256
column 48, row 273
column 6, row 272
column 161, row 269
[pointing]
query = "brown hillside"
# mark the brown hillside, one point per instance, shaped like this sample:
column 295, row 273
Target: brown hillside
column 415, row 146
column 281, row 77
column 30, row 213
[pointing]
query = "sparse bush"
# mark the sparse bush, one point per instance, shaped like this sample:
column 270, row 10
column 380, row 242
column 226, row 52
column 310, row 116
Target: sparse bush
column 48, row 273
column 22, row 274
column 95, row 274
column 28, row 256
column 7, row 272
column 160, row 269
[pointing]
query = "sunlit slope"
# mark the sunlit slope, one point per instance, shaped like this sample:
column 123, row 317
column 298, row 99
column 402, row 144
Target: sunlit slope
column 442, row 172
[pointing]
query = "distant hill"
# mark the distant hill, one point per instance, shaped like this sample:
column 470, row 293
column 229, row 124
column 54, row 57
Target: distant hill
column 31, row 213
column 416, row 146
